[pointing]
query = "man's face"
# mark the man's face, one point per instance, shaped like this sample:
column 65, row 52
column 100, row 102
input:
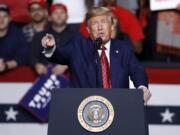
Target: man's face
column 100, row 26
column 37, row 12
column 59, row 17
column 4, row 20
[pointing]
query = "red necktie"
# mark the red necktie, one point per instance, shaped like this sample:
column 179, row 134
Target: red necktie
column 105, row 69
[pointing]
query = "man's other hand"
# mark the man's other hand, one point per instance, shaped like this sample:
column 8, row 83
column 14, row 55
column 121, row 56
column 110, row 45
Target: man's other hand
column 147, row 95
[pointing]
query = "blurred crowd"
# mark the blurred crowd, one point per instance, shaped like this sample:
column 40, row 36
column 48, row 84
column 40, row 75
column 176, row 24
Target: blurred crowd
column 21, row 31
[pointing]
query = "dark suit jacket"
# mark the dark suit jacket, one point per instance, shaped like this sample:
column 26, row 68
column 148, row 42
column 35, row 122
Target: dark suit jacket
column 79, row 55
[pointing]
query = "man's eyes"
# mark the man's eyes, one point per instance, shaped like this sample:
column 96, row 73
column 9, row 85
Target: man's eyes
column 102, row 21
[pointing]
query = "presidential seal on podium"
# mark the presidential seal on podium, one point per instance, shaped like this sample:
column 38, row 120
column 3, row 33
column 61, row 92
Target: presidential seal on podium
column 95, row 113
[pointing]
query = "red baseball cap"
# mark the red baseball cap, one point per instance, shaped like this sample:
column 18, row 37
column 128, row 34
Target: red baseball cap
column 57, row 6
column 42, row 3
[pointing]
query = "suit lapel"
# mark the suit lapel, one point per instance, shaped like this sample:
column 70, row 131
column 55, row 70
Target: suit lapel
column 114, row 58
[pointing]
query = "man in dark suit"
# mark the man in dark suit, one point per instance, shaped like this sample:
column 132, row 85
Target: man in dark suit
column 116, row 62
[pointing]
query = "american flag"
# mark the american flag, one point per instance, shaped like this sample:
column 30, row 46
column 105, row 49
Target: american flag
column 163, row 111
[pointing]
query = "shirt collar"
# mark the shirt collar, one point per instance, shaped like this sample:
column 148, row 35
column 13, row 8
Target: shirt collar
column 107, row 45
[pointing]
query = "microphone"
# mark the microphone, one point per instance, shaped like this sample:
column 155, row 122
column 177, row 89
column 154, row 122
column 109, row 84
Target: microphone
column 97, row 43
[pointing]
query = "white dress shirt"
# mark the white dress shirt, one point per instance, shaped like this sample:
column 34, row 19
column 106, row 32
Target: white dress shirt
column 107, row 51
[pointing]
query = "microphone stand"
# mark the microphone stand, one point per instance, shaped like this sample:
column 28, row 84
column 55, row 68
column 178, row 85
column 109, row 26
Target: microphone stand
column 97, row 44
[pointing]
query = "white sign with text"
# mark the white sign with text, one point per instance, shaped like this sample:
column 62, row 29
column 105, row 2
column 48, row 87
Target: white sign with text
column 163, row 4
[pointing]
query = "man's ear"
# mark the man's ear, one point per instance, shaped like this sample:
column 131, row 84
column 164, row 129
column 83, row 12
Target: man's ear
column 88, row 29
column 113, row 27
column 114, row 23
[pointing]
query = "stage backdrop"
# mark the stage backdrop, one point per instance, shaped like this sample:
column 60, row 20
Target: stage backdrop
column 163, row 108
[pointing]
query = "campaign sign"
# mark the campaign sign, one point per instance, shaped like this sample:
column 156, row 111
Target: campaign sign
column 37, row 99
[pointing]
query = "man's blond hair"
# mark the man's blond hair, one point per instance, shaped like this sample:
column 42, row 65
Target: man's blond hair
column 98, row 11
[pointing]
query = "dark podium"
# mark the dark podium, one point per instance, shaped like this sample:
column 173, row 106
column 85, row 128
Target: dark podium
column 129, row 116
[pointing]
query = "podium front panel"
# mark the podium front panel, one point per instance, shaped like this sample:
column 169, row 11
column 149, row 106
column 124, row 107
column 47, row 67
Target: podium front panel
column 129, row 114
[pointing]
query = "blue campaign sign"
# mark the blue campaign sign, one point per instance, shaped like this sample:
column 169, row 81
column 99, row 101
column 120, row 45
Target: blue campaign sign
column 37, row 99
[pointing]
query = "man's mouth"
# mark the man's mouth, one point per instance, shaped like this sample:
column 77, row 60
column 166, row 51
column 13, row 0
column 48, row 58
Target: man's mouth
column 101, row 35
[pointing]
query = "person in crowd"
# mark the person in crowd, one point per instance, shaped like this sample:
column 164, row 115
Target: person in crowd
column 128, row 24
column 38, row 13
column 12, row 43
column 156, row 47
column 60, row 30
column 148, row 22
column 115, row 60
